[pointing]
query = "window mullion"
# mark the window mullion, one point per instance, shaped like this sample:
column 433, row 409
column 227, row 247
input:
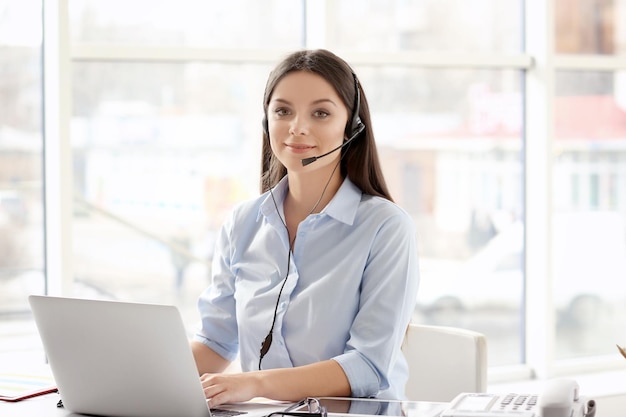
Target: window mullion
column 315, row 24
column 57, row 148
column 539, row 114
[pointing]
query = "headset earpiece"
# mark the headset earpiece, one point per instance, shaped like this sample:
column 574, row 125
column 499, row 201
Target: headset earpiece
column 356, row 126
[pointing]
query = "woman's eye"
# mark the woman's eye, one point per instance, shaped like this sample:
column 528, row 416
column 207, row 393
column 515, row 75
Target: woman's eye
column 281, row 112
column 320, row 114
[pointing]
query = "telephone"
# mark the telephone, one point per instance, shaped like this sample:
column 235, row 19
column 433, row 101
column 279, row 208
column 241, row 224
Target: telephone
column 559, row 399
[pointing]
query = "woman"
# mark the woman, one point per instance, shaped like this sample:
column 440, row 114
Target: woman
column 315, row 281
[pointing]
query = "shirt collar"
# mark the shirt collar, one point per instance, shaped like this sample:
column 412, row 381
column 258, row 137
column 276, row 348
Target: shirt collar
column 277, row 195
column 342, row 207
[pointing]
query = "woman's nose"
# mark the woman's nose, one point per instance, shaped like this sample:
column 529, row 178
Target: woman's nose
column 299, row 126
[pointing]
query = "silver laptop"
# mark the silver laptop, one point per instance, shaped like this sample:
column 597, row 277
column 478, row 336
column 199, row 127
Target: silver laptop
column 121, row 359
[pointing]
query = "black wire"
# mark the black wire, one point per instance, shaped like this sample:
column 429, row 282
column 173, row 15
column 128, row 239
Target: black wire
column 267, row 342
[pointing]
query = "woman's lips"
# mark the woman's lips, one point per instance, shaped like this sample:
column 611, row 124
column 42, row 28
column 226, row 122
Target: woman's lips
column 298, row 147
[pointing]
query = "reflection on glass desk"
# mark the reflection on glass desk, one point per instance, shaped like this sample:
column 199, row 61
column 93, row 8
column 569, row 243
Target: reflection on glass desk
column 45, row 406
column 377, row 407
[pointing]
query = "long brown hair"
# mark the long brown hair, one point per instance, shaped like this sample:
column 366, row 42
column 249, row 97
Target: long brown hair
column 359, row 160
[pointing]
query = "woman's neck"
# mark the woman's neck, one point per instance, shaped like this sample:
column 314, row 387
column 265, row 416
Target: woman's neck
column 307, row 194
column 310, row 194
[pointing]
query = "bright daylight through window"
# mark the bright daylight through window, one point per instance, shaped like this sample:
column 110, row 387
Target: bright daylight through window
column 166, row 109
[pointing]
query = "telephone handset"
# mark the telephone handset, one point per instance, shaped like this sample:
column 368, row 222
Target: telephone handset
column 559, row 399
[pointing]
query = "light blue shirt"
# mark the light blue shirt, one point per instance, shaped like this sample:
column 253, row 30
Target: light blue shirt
column 349, row 295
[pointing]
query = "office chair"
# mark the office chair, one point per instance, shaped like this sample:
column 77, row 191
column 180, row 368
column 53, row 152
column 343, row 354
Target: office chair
column 443, row 362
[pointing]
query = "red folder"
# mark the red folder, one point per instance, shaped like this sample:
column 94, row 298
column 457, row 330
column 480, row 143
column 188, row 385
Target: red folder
column 17, row 387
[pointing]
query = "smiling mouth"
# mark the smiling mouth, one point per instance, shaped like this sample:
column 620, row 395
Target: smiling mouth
column 298, row 147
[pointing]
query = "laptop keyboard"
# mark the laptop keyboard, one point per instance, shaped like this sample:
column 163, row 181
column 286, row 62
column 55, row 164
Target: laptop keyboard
column 220, row 412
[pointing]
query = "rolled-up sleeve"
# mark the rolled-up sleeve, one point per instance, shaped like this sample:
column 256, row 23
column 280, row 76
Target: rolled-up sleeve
column 364, row 380
column 216, row 304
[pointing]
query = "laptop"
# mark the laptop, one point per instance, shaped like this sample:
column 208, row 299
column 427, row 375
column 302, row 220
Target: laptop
column 115, row 358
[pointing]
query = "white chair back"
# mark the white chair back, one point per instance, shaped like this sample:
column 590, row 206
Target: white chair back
column 443, row 362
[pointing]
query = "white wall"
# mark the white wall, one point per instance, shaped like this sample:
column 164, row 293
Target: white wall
column 612, row 405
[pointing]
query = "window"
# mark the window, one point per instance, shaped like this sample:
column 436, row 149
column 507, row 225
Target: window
column 589, row 229
column 589, row 225
column 483, row 26
column 155, row 143
column 233, row 24
column 165, row 138
column 161, row 152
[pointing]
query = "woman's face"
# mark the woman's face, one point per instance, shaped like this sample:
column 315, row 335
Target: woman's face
column 306, row 118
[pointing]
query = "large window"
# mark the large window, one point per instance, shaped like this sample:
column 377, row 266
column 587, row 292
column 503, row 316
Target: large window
column 589, row 179
column 170, row 147
column 165, row 129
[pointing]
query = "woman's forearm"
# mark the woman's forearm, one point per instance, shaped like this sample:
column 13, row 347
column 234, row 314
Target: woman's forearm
column 325, row 378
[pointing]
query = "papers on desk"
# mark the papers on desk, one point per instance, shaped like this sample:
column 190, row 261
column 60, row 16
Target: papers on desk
column 17, row 386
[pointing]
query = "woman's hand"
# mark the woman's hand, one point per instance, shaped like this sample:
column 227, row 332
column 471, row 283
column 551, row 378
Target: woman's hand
column 230, row 388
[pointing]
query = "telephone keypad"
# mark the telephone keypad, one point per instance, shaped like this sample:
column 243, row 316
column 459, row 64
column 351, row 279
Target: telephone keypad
column 518, row 402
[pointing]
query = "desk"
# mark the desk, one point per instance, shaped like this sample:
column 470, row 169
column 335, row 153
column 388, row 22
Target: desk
column 45, row 406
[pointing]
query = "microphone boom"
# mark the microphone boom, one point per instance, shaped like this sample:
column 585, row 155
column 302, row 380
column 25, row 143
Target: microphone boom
column 307, row 161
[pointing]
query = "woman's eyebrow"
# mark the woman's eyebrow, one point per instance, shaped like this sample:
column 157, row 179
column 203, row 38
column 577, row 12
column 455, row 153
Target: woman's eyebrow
column 324, row 100
column 315, row 102
column 281, row 100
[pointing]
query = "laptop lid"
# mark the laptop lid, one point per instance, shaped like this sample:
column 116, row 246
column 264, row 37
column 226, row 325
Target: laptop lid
column 119, row 359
